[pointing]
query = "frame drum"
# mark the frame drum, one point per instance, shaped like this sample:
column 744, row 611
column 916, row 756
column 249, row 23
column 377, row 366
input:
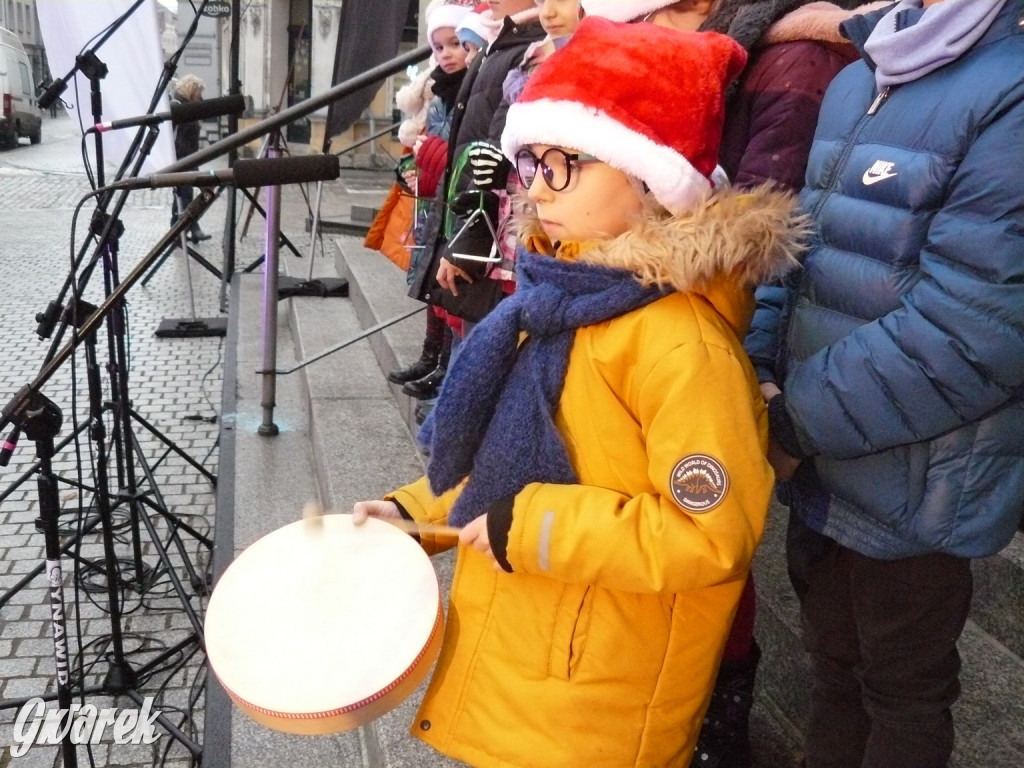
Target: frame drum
column 322, row 628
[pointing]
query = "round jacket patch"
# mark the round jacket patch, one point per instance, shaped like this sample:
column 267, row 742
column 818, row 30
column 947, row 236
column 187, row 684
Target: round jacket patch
column 699, row 483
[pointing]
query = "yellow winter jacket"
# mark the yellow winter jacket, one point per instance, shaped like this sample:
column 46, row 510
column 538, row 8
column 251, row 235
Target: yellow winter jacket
column 601, row 648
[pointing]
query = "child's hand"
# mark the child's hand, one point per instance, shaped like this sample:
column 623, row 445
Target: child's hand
column 769, row 390
column 446, row 274
column 418, row 143
column 362, row 510
column 474, row 535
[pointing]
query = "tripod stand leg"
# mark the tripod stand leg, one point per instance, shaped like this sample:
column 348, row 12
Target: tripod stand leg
column 174, row 447
column 186, row 605
column 176, row 733
column 159, row 263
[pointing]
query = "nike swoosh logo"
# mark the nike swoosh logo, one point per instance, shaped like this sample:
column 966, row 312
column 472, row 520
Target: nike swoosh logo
column 870, row 178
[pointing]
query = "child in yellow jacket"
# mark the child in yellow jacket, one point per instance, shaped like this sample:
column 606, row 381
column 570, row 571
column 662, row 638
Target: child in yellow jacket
column 601, row 438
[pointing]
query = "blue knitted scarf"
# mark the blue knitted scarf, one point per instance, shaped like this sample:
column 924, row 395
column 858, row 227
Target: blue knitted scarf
column 494, row 419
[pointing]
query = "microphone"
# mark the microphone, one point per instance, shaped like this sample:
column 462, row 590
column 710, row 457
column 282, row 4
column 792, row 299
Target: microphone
column 183, row 112
column 51, row 94
column 269, row 172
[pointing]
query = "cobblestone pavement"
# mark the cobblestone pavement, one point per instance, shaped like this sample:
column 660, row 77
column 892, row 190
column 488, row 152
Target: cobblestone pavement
column 174, row 385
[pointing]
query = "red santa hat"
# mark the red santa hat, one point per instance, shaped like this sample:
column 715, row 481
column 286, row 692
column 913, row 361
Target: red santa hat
column 623, row 10
column 645, row 99
column 447, row 14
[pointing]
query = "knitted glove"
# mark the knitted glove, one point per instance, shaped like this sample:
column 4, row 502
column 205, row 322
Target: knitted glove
column 488, row 167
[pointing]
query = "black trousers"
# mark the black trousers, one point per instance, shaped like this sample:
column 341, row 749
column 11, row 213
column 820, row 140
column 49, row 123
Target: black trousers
column 882, row 638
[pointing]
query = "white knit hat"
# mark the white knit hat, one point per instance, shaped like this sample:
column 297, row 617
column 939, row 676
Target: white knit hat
column 448, row 14
column 474, row 24
column 645, row 99
column 623, row 10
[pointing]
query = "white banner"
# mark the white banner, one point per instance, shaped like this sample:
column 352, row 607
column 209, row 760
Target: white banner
column 134, row 62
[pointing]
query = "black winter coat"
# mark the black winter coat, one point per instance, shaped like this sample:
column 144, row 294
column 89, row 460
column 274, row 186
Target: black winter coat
column 478, row 115
column 186, row 136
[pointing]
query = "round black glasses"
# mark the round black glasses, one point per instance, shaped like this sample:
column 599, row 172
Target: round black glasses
column 555, row 166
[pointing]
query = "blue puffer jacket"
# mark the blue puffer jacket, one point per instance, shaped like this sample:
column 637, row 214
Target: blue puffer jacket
column 903, row 363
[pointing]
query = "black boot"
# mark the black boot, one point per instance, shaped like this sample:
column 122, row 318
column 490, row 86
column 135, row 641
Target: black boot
column 427, row 363
column 429, row 385
column 724, row 740
column 196, row 235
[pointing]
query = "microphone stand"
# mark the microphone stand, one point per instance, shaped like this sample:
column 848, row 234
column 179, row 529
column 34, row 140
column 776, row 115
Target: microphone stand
column 107, row 228
column 268, row 393
column 58, row 86
column 31, row 412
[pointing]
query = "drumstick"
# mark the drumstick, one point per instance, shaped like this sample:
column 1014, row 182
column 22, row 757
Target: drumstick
column 411, row 526
column 313, row 514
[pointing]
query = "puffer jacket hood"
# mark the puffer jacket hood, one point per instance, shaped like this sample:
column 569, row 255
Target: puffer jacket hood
column 727, row 245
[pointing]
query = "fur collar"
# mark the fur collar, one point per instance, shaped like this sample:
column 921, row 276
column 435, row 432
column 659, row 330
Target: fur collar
column 727, row 245
column 750, row 236
column 815, row 21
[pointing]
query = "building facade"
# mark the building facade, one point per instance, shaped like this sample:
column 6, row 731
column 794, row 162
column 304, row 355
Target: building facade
column 286, row 54
column 19, row 16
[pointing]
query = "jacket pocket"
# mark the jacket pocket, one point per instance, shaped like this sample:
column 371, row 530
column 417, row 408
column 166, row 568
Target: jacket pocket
column 570, row 630
column 889, row 486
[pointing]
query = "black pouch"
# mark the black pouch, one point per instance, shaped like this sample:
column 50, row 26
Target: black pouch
column 475, row 299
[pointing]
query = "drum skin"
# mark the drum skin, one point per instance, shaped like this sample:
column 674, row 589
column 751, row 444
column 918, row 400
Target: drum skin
column 322, row 627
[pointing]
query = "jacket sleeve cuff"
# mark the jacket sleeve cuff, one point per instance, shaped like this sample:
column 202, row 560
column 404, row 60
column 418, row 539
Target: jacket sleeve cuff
column 499, row 521
column 401, row 510
column 781, row 427
column 404, row 513
column 765, row 373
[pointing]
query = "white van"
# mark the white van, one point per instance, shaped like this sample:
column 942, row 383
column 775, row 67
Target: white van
column 19, row 115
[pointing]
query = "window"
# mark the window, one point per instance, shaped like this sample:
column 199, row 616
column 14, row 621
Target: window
column 21, row 19
column 26, row 81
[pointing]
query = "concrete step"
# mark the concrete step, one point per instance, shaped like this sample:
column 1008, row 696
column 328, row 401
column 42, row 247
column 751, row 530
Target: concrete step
column 340, row 227
column 990, row 715
column 341, row 439
column 361, row 448
column 363, row 214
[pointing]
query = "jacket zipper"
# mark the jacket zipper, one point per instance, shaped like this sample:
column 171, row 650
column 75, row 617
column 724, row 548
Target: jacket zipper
column 880, row 99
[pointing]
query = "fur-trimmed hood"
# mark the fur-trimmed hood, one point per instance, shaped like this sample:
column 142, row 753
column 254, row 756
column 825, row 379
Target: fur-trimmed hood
column 723, row 248
column 817, row 21
column 413, row 99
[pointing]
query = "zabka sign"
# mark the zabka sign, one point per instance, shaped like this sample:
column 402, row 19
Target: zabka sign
column 217, row 10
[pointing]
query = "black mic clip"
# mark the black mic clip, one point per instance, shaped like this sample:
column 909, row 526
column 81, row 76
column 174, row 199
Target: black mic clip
column 99, row 223
column 90, row 65
column 48, row 318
